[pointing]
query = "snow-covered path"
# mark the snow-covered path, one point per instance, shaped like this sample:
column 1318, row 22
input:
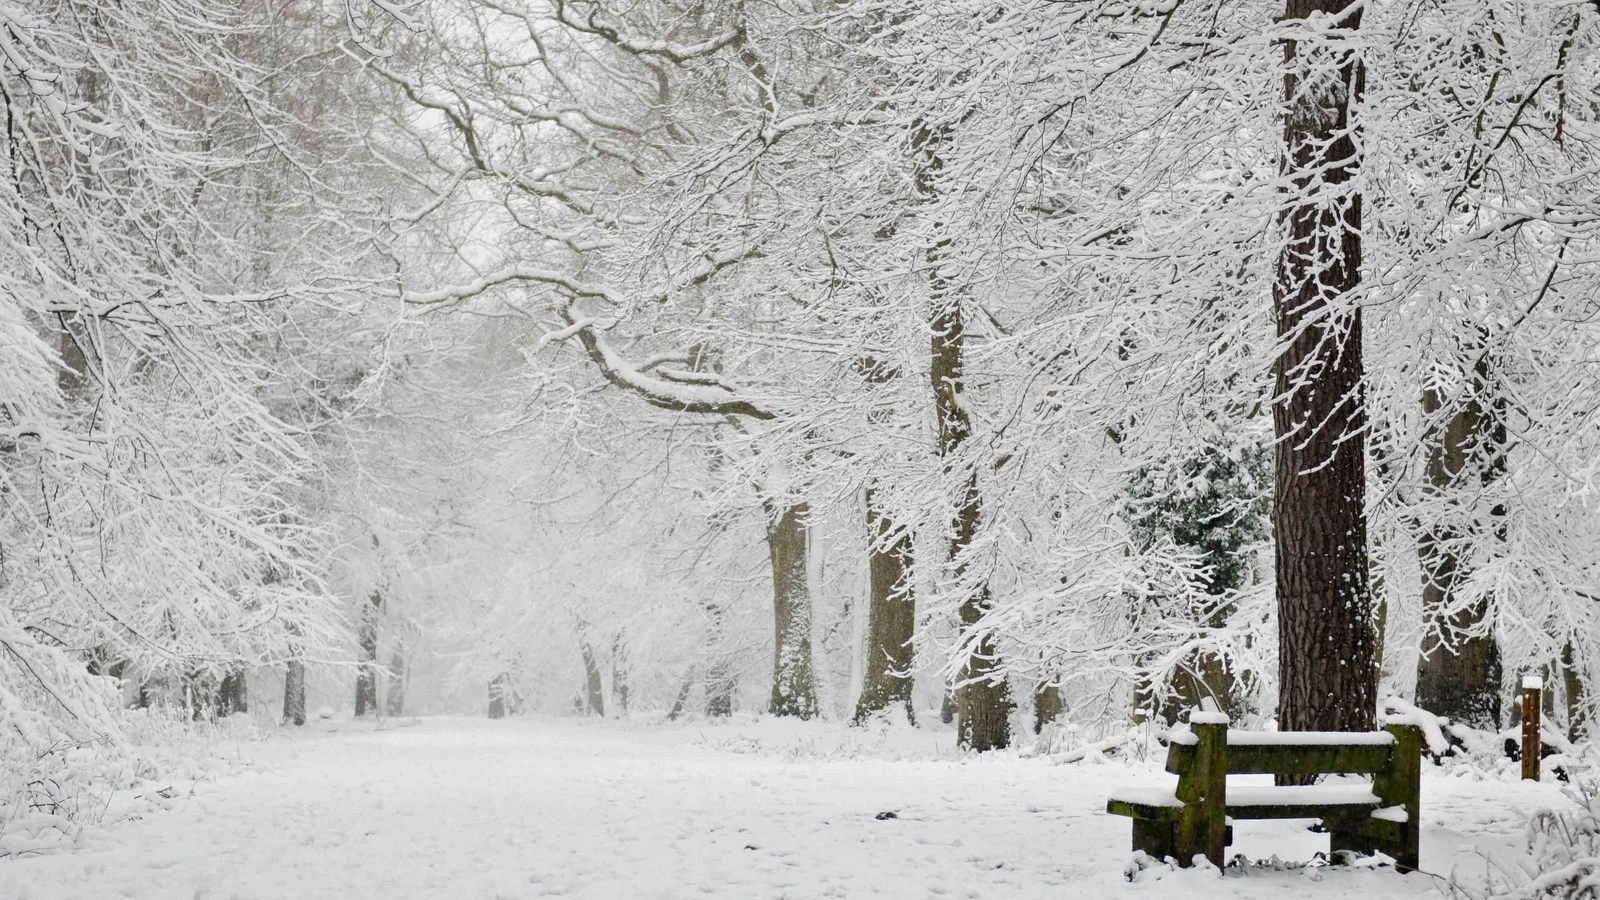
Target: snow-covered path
column 458, row 808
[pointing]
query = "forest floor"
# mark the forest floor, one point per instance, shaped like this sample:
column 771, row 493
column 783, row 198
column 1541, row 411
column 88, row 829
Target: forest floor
column 462, row 808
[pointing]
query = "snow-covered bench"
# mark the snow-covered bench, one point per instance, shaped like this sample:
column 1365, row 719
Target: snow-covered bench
column 1366, row 817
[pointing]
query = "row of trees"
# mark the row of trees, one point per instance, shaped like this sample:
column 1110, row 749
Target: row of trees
column 1018, row 292
column 1094, row 357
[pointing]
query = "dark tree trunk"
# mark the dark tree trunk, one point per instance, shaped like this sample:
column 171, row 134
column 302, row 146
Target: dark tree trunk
column 619, row 674
column 682, row 699
column 502, row 696
column 793, row 690
column 1047, row 706
column 1204, row 676
column 395, row 703
column 1572, row 690
column 1327, row 674
column 294, row 693
column 367, row 675
column 74, row 374
column 719, row 680
column 891, row 619
column 233, row 694
column 200, row 695
column 594, row 693
column 1458, row 670
column 983, row 702
column 947, row 706
column 719, row 691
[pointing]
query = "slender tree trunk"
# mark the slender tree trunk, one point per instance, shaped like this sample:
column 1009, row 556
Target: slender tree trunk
column 294, row 693
column 1572, row 690
column 679, row 702
column 594, row 693
column 720, row 688
column 367, row 637
column 788, row 539
column 1326, row 670
column 983, row 701
column 891, row 618
column 395, row 703
column 1458, row 670
column 619, row 673
column 720, row 685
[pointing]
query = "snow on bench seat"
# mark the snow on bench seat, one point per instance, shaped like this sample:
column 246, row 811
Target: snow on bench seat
column 1316, row 801
column 1303, row 795
column 1309, row 738
column 1151, row 804
column 1153, row 796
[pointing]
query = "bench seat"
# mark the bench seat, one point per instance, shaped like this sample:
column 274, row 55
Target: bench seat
column 1318, row 801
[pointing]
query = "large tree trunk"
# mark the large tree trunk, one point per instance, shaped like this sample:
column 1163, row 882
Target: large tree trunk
column 983, row 701
column 294, row 693
column 1327, row 677
column 793, row 690
column 1458, row 669
column 367, row 675
column 891, row 618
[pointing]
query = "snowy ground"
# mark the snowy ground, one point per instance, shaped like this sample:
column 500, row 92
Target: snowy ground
column 454, row 808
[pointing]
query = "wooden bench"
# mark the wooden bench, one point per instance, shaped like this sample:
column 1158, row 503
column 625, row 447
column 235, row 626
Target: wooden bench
column 1363, row 817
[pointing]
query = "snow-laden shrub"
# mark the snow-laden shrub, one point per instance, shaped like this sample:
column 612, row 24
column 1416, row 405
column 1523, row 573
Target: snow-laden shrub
column 1561, row 857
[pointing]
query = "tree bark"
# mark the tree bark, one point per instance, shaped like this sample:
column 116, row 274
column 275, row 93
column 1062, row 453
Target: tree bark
column 891, row 619
column 502, row 696
column 619, row 673
column 720, row 684
column 678, row 703
column 1326, row 670
column 983, row 701
column 788, row 539
column 594, row 693
column 1047, row 706
column 1459, row 674
column 233, row 694
column 1572, row 681
column 367, row 675
column 395, row 703
column 294, row 693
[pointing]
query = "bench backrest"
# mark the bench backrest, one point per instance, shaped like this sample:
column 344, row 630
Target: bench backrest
column 1290, row 752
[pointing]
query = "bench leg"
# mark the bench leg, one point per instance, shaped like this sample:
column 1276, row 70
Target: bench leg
column 1352, row 838
column 1155, row 838
column 1406, row 853
column 1341, row 841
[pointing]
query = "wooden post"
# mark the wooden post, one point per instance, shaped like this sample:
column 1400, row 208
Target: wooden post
column 1203, row 828
column 1532, row 685
column 1402, row 785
